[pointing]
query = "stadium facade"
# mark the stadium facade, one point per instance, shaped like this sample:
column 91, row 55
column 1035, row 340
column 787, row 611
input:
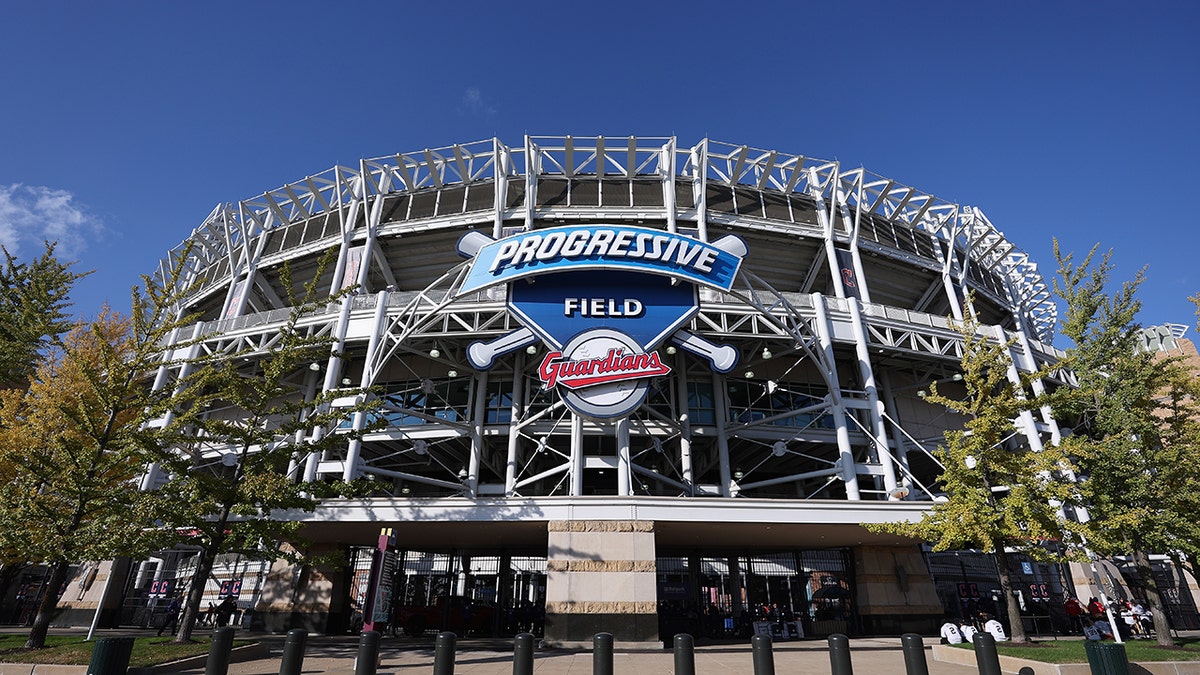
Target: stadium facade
column 629, row 385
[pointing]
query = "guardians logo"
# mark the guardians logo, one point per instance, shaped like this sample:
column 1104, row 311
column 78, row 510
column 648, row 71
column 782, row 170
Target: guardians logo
column 603, row 298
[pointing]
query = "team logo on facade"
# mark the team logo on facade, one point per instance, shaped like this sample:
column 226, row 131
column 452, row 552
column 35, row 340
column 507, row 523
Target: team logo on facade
column 602, row 298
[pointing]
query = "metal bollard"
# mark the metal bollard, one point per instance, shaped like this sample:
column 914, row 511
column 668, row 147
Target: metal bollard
column 986, row 656
column 1025, row 670
column 839, row 655
column 523, row 654
column 602, row 655
column 293, row 652
column 764, row 658
column 367, row 661
column 218, row 651
column 443, row 654
column 685, row 655
column 914, row 654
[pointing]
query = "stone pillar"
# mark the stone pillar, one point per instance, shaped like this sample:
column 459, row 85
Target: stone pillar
column 895, row 593
column 600, row 577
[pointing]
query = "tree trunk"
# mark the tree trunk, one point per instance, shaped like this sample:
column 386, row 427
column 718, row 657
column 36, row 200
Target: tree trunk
column 1153, row 598
column 191, row 611
column 45, row 612
column 1016, row 627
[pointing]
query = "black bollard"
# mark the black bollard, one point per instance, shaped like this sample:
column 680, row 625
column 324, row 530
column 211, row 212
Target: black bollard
column 914, row 654
column 367, row 661
column 764, row 659
column 602, row 656
column 986, row 656
column 839, row 655
column 1025, row 670
column 110, row 656
column 523, row 654
column 293, row 652
column 443, row 654
column 685, row 655
column 218, row 651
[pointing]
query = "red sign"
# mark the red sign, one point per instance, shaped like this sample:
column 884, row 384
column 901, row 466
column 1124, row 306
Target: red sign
column 616, row 366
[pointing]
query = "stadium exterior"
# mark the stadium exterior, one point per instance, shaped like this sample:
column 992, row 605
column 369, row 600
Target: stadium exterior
column 629, row 385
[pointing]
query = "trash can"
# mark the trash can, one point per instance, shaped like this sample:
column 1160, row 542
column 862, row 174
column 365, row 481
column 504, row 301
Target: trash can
column 110, row 656
column 1106, row 658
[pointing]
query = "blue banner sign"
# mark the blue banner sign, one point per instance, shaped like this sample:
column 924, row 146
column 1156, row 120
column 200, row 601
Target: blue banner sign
column 616, row 247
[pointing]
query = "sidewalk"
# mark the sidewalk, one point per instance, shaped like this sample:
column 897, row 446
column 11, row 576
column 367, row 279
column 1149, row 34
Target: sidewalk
column 881, row 656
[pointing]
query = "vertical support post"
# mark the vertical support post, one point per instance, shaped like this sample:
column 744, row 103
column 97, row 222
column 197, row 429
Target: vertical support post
column 624, row 463
column 867, row 375
column 837, row 406
column 333, row 377
column 480, row 414
column 514, row 425
column 826, row 223
column 576, row 467
column 602, row 654
column 685, row 655
column 367, row 660
column 839, row 655
column 686, row 470
column 1025, row 419
column 499, row 166
column 764, row 658
column 523, row 654
column 700, row 187
column 293, row 652
column 666, row 166
column 914, row 654
column 443, row 653
column 218, row 651
column 721, row 413
column 359, row 420
column 1039, row 387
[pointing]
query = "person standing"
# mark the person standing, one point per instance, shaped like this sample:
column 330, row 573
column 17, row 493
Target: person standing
column 172, row 617
column 225, row 610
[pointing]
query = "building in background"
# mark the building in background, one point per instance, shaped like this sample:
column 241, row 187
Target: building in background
column 629, row 385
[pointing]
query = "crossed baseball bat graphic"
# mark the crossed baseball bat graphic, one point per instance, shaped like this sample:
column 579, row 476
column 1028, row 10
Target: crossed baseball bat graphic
column 483, row 355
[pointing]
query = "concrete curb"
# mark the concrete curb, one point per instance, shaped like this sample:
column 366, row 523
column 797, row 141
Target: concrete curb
column 250, row 652
column 1011, row 664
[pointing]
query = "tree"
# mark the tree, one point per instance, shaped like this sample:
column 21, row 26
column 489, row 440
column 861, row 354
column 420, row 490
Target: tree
column 1000, row 493
column 73, row 445
column 34, row 303
column 1134, row 439
column 228, row 487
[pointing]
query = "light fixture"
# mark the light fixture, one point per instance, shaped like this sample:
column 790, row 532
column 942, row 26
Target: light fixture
column 531, row 350
column 462, row 473
column 922, row 393
column 435, row 352
column 957, row 377
column 315, row 367
column 452, row 373
column 405, row 490
column 899, row 494
column 971, row 462
column 766, row 353
column 737, row 475
column 749, row 374
column 671, row 350
column 421, row 447
column 345, row 382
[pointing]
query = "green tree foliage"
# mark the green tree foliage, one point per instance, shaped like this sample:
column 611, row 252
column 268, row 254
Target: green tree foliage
column 73, row 446
column 1135, row 416
column 1000, row 494
column 34, row 303
column 228, row 487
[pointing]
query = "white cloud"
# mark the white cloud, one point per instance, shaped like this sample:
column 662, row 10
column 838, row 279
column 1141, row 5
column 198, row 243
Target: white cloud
column 31, row 214
column 473, row 104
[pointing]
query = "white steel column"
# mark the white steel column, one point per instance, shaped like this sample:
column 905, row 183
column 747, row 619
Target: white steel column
column 700, row 187
column 721, row 410
column 359, row 420
column 827, row 228
column 889, row 403
column 867, row 373
column 480, row 415
column 501, row 187
column 575, row 466
column 687, row 473
column 666, row 166
column 1039, row 387
column 624, row 470
column 837, row 405
column 1025, row 419
column 310, row 391
column 514, row 425
column 333, row 377
column 150, row 478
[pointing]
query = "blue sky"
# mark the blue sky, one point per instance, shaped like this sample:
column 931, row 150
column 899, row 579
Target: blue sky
column 124, row 124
